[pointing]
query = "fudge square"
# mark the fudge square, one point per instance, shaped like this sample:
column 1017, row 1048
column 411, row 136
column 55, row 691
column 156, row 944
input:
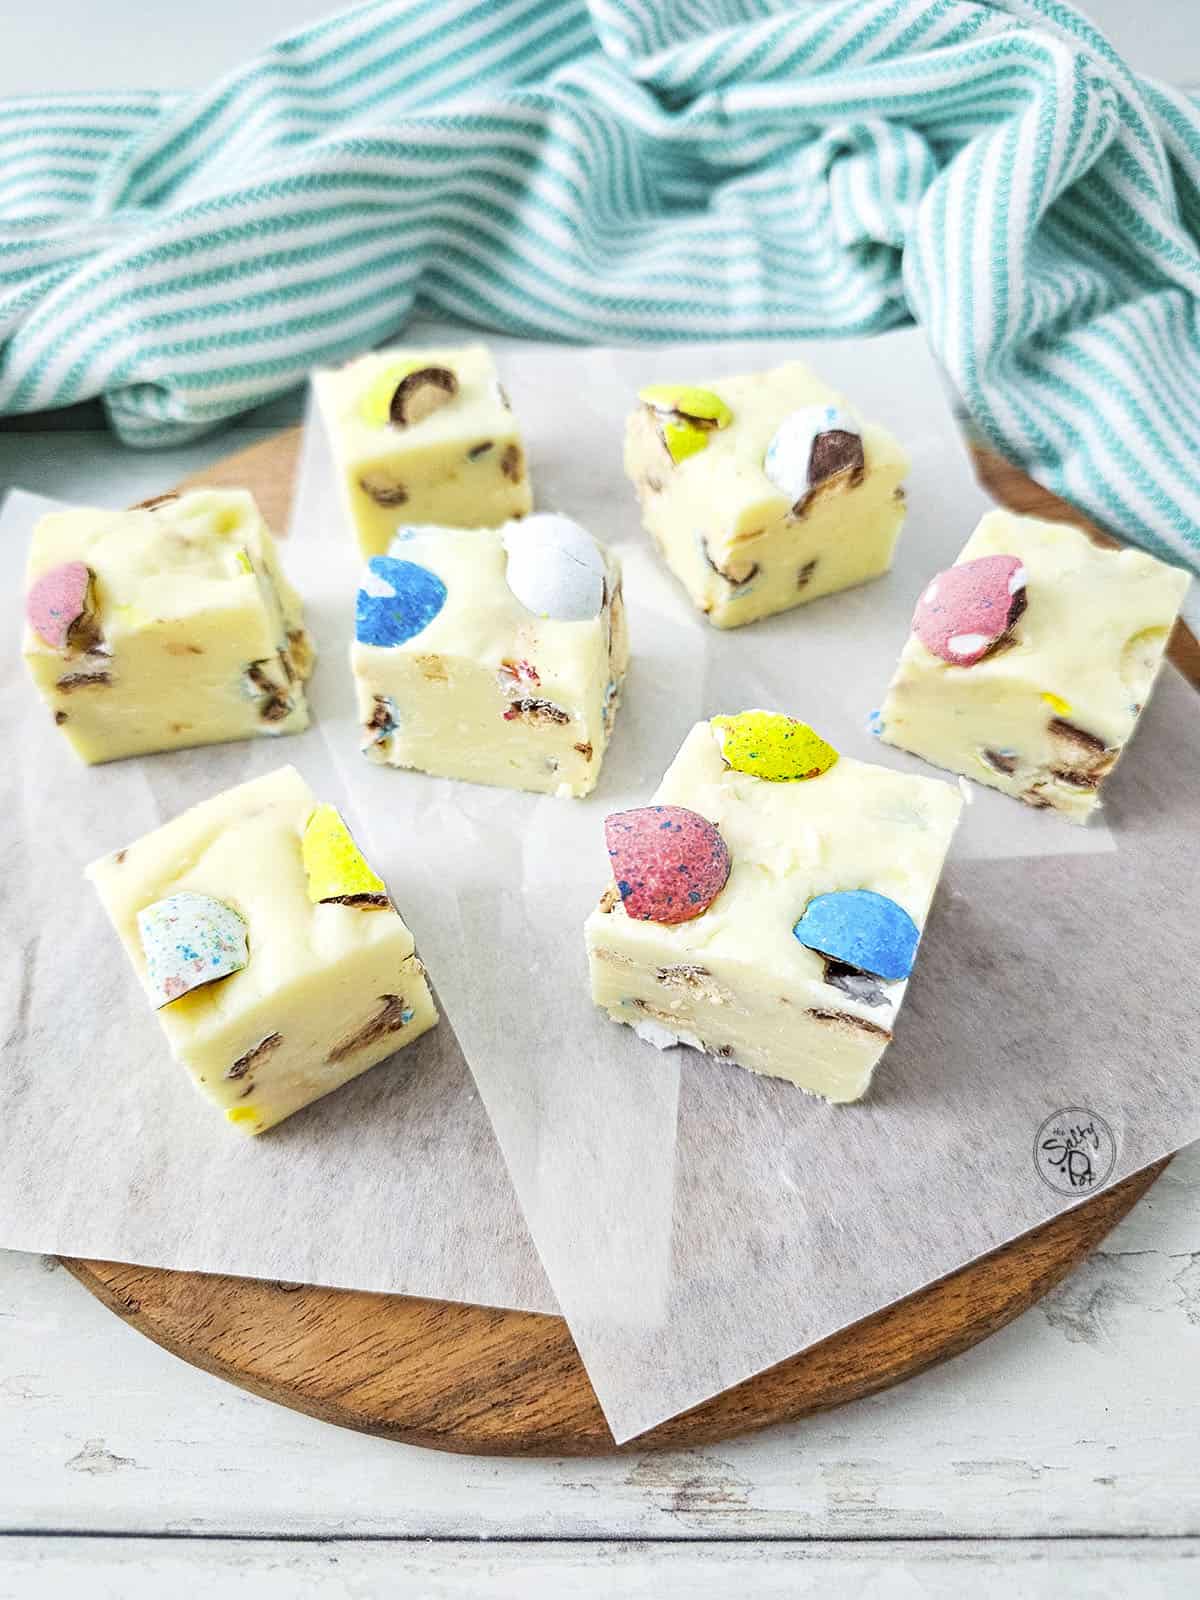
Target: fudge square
column 279, row 966
column 166, row 626
column 1030, row 661
column 494, row 655
column 423, row 436
column 766, row 906
column 765, row 491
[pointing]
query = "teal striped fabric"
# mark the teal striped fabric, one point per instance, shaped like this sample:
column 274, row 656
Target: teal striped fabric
column 609, row 170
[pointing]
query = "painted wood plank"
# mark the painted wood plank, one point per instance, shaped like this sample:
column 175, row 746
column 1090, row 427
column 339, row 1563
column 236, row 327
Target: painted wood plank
column 130, row 1569
column 88, row 467
column 1080, row 1418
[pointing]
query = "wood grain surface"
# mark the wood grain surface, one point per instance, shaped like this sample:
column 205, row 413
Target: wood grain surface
column 482, row 1381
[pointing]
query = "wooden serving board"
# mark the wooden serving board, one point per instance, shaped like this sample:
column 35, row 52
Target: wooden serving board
column 480, row 1381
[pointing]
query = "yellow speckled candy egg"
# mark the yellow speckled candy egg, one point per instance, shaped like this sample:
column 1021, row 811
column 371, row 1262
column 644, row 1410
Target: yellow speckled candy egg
column 335, row 867
column 766, row 744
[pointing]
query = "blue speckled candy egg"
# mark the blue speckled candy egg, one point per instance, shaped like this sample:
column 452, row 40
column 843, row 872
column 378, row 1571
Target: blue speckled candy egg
column 396, row 600
column 861, row 929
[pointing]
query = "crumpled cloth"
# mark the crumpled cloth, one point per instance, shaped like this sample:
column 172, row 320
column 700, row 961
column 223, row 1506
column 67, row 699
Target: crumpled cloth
column 609, row 170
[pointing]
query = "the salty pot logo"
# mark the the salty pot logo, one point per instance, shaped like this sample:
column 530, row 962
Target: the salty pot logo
column 1074, row 1151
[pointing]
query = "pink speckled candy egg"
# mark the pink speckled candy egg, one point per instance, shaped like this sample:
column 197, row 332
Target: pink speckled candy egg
column 669, row 863
column 967, row 610
column 56, row 600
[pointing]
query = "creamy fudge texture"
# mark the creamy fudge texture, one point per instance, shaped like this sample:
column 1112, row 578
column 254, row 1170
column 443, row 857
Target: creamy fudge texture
column 279, row 967
column 163, row 627
column 493, row 655
column 423, row 436
column 765, row 494
column 1033, row 685
column 796, row 964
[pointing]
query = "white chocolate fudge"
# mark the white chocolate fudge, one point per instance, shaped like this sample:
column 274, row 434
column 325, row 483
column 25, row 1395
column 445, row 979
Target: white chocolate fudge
column 423, row 436
column 1031, row 659
column 166, row 626
column 764, row 491
column 766, row 906
column 494, row 655
column 279, row 966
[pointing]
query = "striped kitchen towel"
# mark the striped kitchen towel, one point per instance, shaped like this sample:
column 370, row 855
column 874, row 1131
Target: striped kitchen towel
column 608, row 170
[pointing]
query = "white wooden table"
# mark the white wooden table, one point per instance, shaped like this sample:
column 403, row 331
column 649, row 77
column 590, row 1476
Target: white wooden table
column 1060, row 1458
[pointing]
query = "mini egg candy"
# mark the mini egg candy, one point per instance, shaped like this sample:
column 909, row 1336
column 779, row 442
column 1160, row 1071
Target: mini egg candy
column 686, row 416
column 420, row 393
column 57, row 601
column 189, row 940
column 396, row 600
column 861, row 929
column 406, row 392
column 811, row 446
column 768, row 745
column 669, row 863
column 335, row 868
column 966, row 611
column 555, row 568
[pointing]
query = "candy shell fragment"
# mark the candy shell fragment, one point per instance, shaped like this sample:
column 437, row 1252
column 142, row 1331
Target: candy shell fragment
column 336, row 870
column 1057, row 704
column 405, row 392
column 686, row 415
column 531, row 708
column 396, row 601
column 58, row 601
column 768, row 745
column 811, row 446
column 669, row 863
column 683, row 439
column 966, row 611
column 861, row 929
column 421, row 393
column 685, row 400
column 555, row 568
column 190, row 940
column 375, row 407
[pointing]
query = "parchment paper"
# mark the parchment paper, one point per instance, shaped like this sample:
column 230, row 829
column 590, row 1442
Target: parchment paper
column 394, row 1183
column 698, row 1224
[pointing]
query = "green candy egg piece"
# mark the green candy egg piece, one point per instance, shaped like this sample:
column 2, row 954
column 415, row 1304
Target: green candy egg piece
column 768, row 745
column 683, row 440
column 700, row 404
column 686, row 416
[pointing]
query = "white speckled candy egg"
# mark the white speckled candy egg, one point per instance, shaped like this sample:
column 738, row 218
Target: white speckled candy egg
column 555, row 567
column 789, row 458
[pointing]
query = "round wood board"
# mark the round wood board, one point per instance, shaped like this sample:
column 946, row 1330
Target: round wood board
column 480, row 1381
